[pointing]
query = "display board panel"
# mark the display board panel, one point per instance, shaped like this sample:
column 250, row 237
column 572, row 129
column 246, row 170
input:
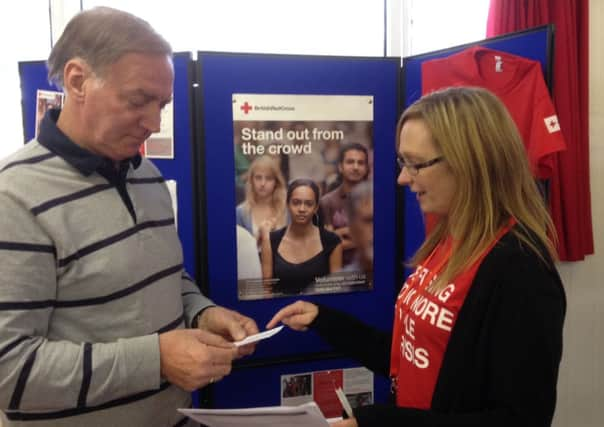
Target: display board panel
column 226, row 78
column 264, row 385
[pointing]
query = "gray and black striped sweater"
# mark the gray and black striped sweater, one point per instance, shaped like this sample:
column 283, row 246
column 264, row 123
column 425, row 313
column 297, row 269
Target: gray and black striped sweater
column 86, row 284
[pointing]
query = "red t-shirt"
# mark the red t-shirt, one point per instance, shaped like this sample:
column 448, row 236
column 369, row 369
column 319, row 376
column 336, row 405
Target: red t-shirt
column 519, row 83
column 422, row 325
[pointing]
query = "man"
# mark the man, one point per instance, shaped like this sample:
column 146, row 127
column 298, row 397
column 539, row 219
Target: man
column 353, row 167
column 359, row 207
column 99, row 323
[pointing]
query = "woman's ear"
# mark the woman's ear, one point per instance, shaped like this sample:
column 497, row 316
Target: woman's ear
column 75, row 74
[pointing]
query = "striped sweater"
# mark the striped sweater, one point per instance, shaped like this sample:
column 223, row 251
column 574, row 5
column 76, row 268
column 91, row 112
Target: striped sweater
column 87, row 284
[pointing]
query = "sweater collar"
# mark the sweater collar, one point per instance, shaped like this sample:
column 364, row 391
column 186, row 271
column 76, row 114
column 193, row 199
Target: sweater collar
column 51, row 137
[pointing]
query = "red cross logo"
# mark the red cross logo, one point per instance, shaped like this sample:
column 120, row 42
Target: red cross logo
column 246, row 107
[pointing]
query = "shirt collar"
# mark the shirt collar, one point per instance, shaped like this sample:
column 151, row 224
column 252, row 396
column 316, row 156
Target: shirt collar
column 51, row 137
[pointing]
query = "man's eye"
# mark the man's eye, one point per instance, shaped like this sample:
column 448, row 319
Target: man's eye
column 136, row 103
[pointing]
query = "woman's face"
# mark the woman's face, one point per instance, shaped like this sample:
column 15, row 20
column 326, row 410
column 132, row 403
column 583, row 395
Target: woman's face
column 302, row 205
column 434, row 186
column 263, row 182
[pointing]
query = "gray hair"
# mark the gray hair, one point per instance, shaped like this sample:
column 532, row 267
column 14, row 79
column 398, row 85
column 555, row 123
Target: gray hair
column 101, row 36
column 360, row 193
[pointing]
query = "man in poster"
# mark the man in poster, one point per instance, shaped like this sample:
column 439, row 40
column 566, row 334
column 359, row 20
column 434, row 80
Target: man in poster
column 353, row 167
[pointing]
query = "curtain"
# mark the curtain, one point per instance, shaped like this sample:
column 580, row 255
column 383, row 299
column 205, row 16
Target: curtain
column 570, row 201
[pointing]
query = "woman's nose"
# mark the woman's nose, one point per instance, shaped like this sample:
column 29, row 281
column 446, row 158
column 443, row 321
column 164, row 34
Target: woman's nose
column 403, row 177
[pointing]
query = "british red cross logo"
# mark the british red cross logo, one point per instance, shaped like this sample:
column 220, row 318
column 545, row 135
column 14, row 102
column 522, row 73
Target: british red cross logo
column 552, row 124
column 246, row 107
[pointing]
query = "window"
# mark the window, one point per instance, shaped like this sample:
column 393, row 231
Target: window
column 322, row 27
column 25, row 31
column 438, row 24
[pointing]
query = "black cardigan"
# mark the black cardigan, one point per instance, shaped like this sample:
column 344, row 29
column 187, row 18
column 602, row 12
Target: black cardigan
column 500, row 367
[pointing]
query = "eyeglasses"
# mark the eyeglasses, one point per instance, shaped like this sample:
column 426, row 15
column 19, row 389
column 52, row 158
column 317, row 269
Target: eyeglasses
column 414, row 168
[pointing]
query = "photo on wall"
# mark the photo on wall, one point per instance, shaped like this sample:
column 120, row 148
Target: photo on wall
column 304, row 194
column 45, row 100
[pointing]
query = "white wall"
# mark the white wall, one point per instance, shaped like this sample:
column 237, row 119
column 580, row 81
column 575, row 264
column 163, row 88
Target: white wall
column 24, row 36
column 581, row 384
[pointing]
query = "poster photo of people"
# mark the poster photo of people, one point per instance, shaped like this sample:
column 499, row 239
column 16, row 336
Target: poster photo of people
column 304, row 194
column 45, row 100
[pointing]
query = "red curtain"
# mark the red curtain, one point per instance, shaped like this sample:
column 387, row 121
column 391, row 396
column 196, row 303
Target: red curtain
column 570, row 198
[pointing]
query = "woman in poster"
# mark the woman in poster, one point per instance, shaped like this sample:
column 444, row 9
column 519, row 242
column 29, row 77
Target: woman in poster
column 297, row 254
column 264, row 206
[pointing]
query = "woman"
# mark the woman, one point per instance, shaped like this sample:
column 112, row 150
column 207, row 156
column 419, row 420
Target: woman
column 477, row 336
column 264, row 204
column 297, row 254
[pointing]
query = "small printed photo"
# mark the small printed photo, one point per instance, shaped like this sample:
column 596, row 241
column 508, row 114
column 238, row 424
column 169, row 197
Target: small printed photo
column 360, row 399
column 159, row 148
column 296, row 385
column 45, row 100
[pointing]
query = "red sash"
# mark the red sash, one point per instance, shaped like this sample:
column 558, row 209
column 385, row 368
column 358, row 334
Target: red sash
column 423, row 321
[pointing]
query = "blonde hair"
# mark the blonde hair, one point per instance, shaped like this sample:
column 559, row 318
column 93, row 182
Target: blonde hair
column 484, row 151
column 279, row 192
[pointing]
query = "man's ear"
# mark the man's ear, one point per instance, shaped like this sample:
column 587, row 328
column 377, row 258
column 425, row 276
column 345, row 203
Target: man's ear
column 75, row 74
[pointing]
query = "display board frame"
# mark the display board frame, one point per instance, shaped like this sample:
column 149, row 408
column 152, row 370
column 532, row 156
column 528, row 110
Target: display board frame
column 220, row 75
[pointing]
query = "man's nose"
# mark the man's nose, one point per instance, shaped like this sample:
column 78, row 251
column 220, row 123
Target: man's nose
column 152, row 119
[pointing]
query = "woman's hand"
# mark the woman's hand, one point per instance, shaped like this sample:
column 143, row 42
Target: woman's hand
column 297, row 316
column 350, row 422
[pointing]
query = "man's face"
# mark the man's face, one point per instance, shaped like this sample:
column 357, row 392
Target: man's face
column 122, row 109
column 353, row 167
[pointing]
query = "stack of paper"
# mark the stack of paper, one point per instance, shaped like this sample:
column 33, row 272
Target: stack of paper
column 308, row 415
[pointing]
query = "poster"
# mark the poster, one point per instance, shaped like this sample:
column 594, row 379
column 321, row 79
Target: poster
column 45, row 100
column 320, row 386
column 160, row 145
column 304, row 194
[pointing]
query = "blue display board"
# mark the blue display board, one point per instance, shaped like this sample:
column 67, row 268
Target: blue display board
column 535, row 44
column 33, row 76
column 222, row 75
column 261, row 386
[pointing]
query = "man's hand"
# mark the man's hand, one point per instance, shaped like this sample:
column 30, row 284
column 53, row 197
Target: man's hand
column 192, row 358
column 229, row 324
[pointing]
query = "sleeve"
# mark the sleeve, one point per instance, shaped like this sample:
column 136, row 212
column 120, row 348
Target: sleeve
column 546, row 135
column 241, row 218
column 275, row 238
column 329, row 240
column 194, row 302
column 38, row 373
column 368, row 345
column 523, row 358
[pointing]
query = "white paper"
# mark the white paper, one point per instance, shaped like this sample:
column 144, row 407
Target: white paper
column 257, row 337
column 344, row 401
column 307, row 415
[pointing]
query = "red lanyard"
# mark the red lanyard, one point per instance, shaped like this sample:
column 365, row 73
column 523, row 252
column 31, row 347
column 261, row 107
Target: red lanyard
column 447, row 247
column 417, row 281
